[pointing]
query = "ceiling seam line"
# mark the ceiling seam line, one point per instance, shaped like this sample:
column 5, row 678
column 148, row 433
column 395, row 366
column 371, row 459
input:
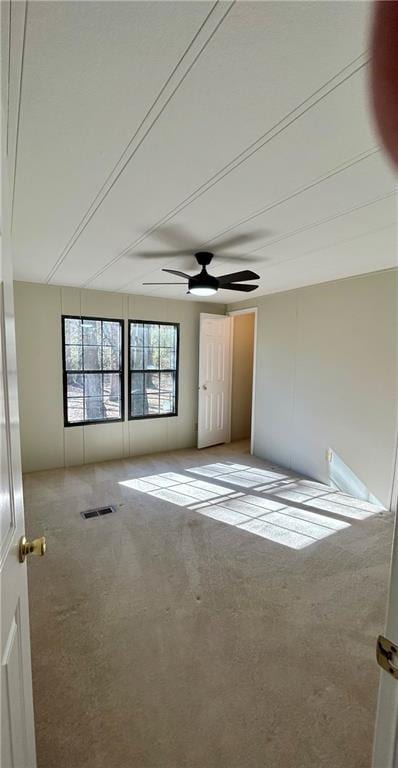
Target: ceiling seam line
column 18, row 116
column 219, row 176
column 356, row 159
column 313, row 225
column 339, row 168
column 319, row 222
column 8, row 77
column 286, row 117
column 299, row 116
column 89, row 215
column 332, row 245
column 147, row 114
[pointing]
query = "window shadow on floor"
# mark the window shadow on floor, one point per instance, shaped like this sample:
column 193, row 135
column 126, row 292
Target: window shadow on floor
column 264, row 502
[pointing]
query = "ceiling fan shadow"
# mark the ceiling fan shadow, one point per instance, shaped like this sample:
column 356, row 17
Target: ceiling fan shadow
column 189, row 260
column 181, row 242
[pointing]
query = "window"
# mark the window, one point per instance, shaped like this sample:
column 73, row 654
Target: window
column 153, row 369
column 93, row 370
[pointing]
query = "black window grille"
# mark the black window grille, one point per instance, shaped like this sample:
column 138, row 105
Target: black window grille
column 153, row 369
column 92, row 370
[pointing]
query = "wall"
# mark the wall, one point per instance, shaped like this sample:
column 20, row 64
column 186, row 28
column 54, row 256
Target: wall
column 326, row 377
column 45, row 442
column 242, row 376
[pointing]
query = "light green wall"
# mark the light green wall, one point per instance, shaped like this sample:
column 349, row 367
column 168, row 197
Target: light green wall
column 45, row 442
column 326, row 377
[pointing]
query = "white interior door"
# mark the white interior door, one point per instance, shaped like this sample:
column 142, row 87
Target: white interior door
column 214, row 408
column 385, row 748
column 17, row 726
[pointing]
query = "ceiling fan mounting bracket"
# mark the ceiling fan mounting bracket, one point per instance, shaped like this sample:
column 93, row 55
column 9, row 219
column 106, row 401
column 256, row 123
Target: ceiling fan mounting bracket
column 204, row 258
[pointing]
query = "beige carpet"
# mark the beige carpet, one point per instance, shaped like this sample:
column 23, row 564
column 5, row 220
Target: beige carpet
column 165, row 638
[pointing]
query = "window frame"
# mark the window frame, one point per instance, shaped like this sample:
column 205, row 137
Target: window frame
column 121, row 372
column 175, row 370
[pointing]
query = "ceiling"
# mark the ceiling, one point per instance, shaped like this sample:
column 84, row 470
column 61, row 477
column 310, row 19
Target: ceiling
column 146, row 127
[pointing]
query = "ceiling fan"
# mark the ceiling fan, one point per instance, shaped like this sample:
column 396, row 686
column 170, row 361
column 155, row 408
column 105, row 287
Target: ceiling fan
column 204, row 284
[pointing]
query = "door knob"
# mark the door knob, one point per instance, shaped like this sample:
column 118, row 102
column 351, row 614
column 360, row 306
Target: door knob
column 34, row 547
column 204, row 386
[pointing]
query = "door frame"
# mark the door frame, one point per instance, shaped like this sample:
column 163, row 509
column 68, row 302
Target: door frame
column 385, row 740
column 246, row 311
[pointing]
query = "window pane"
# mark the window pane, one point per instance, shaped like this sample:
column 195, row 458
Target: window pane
column 151, row 335
column 91, row 332
column 137, row 384
column 93, row 384
column 110, row 358
column 137, row 358
column 94, row 408
column 113, row 409
column 137, row 405
column 112, row 383
column 151, row 406
column 73, row 330
column 167, row 382
column 73, row 358
column 166, row 403
column 111, row 334
column 75, row 409
column 92, row 358
column 74, row 385
column 167, row 359
column 151, row 382
column 167, row 392
column 136, row 334
column 151, row 357
column 112, row 395
column 151, row 385
column 168, row 336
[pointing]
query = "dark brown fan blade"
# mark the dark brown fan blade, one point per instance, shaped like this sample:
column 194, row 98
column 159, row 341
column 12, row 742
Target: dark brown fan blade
column 163, row 284
column 234, row 277
column 238, row 287
column 177, row 272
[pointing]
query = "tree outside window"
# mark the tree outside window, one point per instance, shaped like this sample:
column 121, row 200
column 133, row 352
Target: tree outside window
column 93, row 370
column 153, row 371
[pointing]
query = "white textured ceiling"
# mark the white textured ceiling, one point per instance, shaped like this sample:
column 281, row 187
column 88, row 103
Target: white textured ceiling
column 153, row 126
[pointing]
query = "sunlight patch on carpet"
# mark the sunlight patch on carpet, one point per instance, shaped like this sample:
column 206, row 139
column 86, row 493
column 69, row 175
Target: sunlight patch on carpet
column 270, row 505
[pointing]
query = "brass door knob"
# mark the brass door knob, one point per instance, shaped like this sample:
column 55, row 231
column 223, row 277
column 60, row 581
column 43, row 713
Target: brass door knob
column 34, row 547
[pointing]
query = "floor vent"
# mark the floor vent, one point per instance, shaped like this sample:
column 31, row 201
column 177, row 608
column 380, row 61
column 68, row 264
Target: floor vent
column 97, row 512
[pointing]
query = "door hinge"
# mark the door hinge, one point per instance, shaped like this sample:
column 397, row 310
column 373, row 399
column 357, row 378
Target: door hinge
column 385, row 652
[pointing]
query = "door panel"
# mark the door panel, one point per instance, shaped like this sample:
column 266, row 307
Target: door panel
column 214, row 380
column 385, row 747
column 17, row 743
column 17, row 725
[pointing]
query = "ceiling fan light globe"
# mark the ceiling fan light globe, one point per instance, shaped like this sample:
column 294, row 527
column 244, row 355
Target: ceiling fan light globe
column 202, row 290
column 203, row 284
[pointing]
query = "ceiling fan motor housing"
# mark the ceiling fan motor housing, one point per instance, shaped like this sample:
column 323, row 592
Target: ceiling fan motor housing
column 204, row 280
